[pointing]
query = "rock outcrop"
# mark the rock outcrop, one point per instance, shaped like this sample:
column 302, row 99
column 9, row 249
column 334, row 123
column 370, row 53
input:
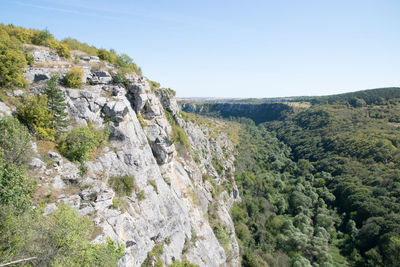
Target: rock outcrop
column 174, row 186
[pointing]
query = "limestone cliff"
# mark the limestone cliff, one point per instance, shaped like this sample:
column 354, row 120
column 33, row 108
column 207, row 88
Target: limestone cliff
column 175, row 203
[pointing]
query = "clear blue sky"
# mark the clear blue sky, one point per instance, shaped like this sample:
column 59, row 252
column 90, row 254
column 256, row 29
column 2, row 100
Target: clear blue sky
column 229, row 48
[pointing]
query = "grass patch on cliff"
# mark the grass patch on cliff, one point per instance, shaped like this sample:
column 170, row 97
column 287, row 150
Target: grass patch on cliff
column 178, row 137
column 217, row 127
column 122, row 185
column 220, row 232
column 153, row 184
column 154, row 256
column 178, row 134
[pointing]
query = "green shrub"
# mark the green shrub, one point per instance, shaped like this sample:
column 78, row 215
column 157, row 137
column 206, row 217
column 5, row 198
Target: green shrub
column 122, row 185
column 221, row 235
column 141, row 195
column 42, row 37
column 167, row 181
column 61, row 49
column 120, row 78
column 120, row 203
column 73, row 78
column 141, row 120
column 154, row 256
column 103, row 54
column 80, row 142
column 15, row 141
column 60, row 239
column 33, row 112
column 217, row 165
column 15, row 187
column 74, row 44
column 12, row 61
column 178, row 134
column 153, row 184
column 22, row 34
column 30, row 60
column 153, row 85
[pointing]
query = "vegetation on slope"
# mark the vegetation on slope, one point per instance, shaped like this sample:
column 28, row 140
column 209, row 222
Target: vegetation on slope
column 59, row 239
column 14, row 57
column 286, row 217
column 321, row 186
column 359, row 148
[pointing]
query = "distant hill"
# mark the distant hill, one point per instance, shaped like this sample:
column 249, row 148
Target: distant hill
column 370, row 96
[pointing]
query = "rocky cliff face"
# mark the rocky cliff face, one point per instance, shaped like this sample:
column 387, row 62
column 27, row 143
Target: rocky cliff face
column 174, row 204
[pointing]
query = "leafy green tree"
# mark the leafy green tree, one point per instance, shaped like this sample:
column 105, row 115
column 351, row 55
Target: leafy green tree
column 56, row 102
column 42, row 37
column 15, row 141
column 12, row 61
column 33, row 112
column 15, row 187
column 61, row 49
column 60, row 239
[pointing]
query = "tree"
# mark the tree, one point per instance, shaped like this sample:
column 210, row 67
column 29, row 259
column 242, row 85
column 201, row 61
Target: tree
column 59, row 239
column 56, row 102
column 37, row 117
column 42, row 37
column 15, row 188
column 15, row 141
column 12, row 61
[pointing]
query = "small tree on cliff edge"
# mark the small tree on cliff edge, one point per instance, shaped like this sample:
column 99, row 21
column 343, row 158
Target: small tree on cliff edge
column 56, row 102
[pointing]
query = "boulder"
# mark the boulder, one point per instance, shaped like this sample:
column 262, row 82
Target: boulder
column 37, row 74
column 139, row 94
column 4, row 110
column 36, row 163
column 161, row 146
column 42, row 55
column 18, row 92
column 115, row 110
column 50, row 209
column 100, row 77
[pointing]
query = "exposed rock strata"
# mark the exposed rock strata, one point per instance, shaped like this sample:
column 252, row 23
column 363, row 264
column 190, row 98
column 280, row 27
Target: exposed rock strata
column 177, row 198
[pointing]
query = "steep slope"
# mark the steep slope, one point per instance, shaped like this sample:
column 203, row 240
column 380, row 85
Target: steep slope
column 171, row 201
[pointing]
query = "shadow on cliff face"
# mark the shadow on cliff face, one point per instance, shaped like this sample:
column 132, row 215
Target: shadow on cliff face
column 259, row 113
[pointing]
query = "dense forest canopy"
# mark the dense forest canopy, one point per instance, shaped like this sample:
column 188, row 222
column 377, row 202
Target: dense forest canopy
column 321, row 185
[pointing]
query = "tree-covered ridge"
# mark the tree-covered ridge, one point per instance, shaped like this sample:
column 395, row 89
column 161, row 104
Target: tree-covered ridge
column 286, row 217
column 370, row 96
column 320, row 185
column 358, row 147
